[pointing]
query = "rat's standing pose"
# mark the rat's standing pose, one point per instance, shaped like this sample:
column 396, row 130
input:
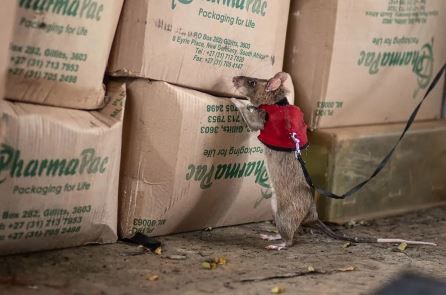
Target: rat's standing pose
column 292, row 202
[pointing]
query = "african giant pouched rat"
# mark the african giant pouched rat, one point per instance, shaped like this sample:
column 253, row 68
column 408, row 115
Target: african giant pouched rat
column 292, row 202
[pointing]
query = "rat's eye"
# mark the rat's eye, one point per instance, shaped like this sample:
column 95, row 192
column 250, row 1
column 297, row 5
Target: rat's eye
column 252, row 83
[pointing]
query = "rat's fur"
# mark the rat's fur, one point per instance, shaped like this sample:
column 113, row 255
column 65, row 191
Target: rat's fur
column 257, row 93
column 292, row 201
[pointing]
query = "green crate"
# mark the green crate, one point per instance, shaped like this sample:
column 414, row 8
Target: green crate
column 414, row 178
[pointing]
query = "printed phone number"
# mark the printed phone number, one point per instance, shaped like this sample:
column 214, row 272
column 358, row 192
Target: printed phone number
column 36, row 74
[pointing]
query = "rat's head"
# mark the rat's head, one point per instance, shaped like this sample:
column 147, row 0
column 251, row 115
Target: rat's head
column 260, row 91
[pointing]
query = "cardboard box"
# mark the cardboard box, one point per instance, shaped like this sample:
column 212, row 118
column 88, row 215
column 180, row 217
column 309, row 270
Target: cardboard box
column 7, row 12
column 340, row 158
column 444, row 101
column 200, row 44
column 188, row 163
column 365, row 62
column 59, row 175
column 60, row 51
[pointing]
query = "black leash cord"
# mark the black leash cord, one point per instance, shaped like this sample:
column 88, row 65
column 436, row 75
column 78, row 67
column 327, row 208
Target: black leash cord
column 386, row 158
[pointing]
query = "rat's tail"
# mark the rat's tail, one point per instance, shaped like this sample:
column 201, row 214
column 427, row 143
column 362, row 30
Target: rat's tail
column 329, row 232
column 324, row 228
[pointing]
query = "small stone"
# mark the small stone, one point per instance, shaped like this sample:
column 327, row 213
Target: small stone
column 277, row 290
column 152, row 278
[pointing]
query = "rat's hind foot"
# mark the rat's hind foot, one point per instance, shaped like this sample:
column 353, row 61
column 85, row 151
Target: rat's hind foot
column 271, row 237
column 277, row 247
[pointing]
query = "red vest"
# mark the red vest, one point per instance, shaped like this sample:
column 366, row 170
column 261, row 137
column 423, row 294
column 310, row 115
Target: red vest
column 281, row 121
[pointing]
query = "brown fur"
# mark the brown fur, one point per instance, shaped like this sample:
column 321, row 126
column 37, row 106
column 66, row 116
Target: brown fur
column 258, row 95
column 293, row 202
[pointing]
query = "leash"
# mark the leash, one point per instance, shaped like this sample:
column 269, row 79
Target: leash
column 384, row 161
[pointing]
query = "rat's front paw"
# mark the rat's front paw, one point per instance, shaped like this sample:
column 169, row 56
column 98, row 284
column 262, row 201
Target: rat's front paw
column 238, row 103
column 262, row 115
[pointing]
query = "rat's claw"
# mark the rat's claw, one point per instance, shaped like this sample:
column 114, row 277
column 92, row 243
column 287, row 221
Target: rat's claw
column 271, row 237
column 277, row 247
column 237, row 102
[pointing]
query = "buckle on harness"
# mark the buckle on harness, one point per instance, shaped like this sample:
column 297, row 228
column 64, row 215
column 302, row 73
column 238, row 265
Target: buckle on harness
column 296, row 140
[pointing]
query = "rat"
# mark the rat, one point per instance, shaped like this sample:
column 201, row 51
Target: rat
column 292, row 202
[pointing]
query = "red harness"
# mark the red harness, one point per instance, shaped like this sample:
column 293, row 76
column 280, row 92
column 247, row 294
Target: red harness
column 281, row 122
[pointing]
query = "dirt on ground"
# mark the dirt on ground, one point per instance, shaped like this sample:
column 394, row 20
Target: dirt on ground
column 233, row 260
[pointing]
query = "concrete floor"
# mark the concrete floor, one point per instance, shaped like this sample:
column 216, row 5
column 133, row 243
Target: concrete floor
column 125, row 269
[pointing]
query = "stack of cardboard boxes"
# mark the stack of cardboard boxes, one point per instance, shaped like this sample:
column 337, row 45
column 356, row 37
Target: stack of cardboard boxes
column 7, row 13
column 189, row 161
column 59, row 167
column 444, row 101
column 369, row 63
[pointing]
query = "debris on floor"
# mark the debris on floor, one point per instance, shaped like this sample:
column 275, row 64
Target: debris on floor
column 233, row 260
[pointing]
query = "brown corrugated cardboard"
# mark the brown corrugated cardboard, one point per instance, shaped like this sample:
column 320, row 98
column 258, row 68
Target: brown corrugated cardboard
column 444, row 101
column 200, row 44
column 365, row 62
column 59, row 174
column 189, row 163
column 340, row 158
column 60, row 50
column 7, row 12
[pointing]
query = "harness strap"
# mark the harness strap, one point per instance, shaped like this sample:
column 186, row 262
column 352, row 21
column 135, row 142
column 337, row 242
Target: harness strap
column 384, row 161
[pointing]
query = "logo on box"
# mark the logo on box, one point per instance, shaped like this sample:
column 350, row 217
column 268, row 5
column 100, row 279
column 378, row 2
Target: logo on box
column 87, row 163
column 174, row 4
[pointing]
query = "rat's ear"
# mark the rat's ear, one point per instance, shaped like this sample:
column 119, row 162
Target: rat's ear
column 275, row 82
